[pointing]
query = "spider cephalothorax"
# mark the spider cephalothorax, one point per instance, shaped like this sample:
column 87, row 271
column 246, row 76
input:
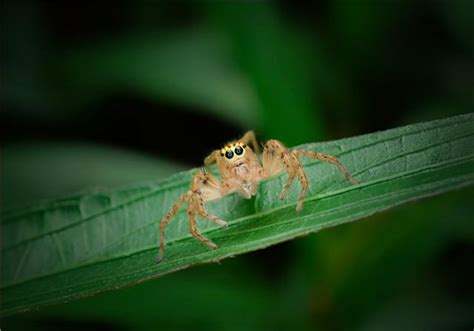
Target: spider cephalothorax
column 241, row 169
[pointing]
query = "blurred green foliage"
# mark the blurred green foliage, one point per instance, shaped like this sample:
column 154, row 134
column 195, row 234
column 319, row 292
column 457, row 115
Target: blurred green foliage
column 202, row 72
column 41, row 170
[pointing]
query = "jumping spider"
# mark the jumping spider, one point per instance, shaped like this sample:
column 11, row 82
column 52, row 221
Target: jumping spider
column 241, row 170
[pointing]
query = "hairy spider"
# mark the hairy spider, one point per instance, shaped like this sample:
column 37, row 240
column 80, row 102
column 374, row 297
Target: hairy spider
column 241, row 170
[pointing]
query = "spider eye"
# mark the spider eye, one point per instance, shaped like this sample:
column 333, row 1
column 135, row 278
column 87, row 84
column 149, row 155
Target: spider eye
column 239, row 150
column 229, row 154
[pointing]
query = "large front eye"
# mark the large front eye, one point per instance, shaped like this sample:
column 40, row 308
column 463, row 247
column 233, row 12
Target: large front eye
column 239, row 150
column 229, row 154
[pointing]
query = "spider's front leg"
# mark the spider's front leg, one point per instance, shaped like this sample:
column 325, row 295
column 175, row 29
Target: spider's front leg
column 204, row 187
column 276, row 158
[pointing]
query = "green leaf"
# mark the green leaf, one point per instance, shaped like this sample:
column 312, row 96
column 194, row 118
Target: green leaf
column 75, row 247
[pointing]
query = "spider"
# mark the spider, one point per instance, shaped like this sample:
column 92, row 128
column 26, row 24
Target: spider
column 241, row 169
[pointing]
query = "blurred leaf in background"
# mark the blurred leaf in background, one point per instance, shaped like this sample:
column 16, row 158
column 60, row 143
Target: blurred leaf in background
column 190, row 67
column 47, row 170
column 278, row 60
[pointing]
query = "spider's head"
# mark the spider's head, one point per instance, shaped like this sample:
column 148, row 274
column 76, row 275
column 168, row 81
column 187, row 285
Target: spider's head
column 233, row 151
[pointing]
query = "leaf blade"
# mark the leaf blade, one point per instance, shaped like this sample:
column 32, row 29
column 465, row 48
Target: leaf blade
column 395, row 166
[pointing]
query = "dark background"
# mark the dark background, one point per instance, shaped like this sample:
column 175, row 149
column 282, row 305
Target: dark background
column 108, row 94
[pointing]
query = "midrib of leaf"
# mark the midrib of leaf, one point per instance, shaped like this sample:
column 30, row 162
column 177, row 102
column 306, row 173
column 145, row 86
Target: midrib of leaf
column 269, row 209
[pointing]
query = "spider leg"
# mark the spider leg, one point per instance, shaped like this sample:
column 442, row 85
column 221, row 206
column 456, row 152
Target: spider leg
column 204, row 187
column 211, row 189
column 164, row 222
column 202, row 212
column 291, row 177
column 276, row 158
column 326, row 158
column 249, row 138
column 211, row 158
column 194, row 231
